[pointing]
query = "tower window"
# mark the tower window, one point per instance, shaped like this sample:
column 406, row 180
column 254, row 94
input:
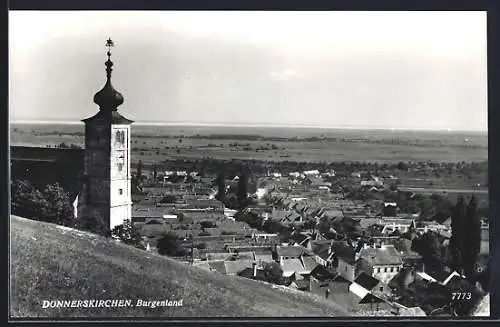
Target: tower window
column 120, row 137
column 120, row 191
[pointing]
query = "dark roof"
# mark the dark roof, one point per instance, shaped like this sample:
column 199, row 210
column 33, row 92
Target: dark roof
column 289, row 251
column 370, row 298
column 322, row 250
column 114, row 117
column 387, row 255
column 309, row 264
column 299, row 237
column 366, row 281
column 439, row 274
column 398, row 280
column 43, row 166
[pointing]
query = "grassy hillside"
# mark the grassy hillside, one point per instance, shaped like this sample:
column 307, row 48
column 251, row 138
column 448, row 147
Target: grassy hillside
column 51, row 262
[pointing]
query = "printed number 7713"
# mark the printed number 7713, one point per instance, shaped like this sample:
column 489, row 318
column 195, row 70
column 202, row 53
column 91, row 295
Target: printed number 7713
column 461, row 296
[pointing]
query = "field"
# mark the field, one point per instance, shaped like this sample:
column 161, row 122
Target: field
column 51, row 262
column 153, row 144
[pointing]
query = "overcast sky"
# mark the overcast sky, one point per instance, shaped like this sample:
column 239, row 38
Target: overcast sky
column 358, row 69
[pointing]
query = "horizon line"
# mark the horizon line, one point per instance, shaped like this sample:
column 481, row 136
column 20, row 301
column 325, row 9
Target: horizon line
column 257, row 125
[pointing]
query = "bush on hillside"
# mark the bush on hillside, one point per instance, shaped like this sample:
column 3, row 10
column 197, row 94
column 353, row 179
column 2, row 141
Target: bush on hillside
column 128, row 234
column 52, row 205
column 169, row 245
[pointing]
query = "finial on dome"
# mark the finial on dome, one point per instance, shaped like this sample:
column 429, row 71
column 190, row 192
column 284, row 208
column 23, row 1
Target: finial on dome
column 109, row 63
column 108, row 98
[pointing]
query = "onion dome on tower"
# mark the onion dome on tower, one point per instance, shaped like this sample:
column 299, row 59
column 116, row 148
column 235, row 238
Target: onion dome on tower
column 108, row 99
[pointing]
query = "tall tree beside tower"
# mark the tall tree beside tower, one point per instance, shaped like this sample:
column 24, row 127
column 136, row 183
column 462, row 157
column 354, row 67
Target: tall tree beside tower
column 457, row 232
column 139, row 170
column 221, row 186
column 472, row 240
column 242, row 191
column 155, row 172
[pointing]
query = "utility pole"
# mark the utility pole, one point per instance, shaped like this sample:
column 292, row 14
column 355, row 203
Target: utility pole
column 192, row 249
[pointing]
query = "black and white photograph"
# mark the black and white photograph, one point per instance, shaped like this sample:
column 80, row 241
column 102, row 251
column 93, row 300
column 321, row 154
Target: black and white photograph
column 244, row 164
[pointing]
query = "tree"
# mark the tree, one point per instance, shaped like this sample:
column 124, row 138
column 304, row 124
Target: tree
column 59, row 207
column 429, row 247
column 457, row 233
column 139, row 170
column 52, row 205
column 155, row 172
column 402, row 165
column 128, row 234
column 26, row 200
column 169, row 244
column 273, row 273
column 221, row 186
column 472, row 241
column 242, row 191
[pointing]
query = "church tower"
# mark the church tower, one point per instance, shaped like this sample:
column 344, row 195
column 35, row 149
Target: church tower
column 105, row 200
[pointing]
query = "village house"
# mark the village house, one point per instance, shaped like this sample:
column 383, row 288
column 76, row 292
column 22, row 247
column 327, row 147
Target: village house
column 300, row 268
column 330, row 173
column 265, row 236
column 385, row 261
column 292, row 218
column 391, row 225
column 382, row 263
column 372, row 182
column 311, row 173
column 288, row 253
column 279, row 215
column 322, row 252
column 365, row 284
column 402, row 280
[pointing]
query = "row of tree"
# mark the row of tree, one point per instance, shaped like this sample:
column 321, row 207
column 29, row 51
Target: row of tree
column 465, row 242
column 463, row 251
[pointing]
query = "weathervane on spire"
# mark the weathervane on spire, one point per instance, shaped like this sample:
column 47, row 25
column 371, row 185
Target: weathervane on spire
column 109, row 63
column 109, row 45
